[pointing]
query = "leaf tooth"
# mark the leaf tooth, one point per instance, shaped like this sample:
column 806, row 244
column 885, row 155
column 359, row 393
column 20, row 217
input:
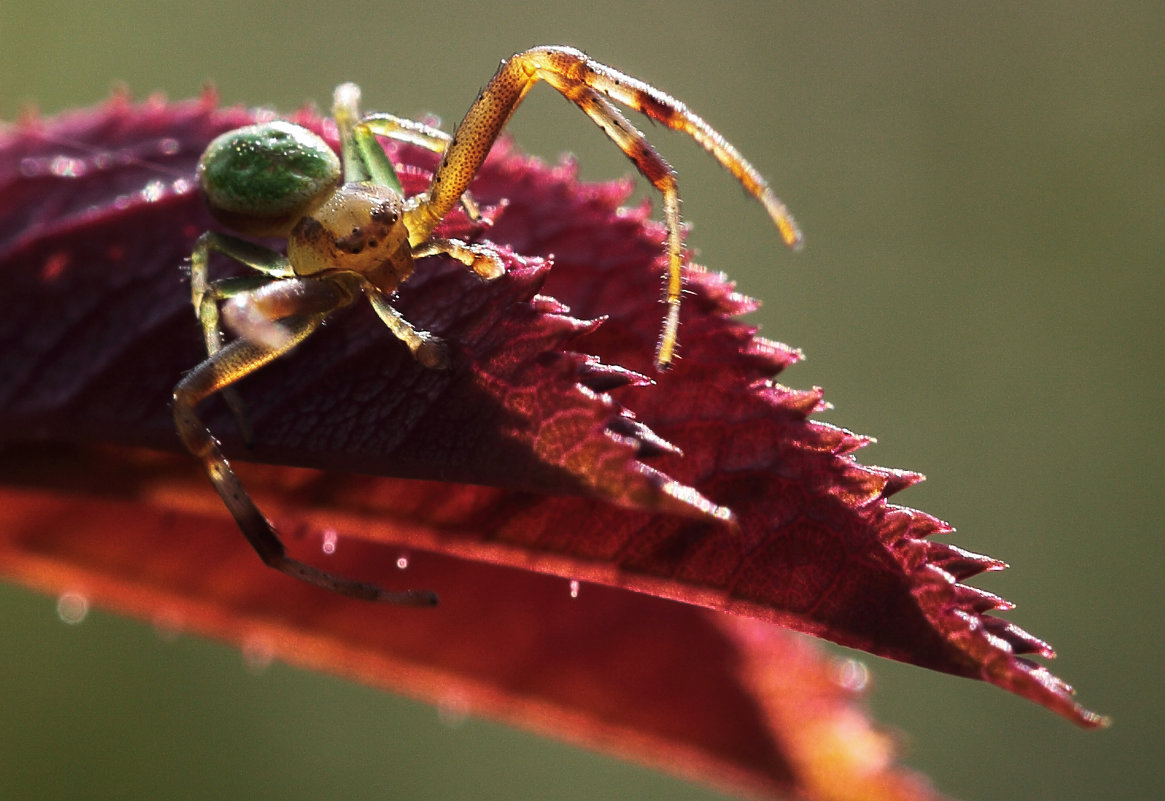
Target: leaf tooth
column 898, row 480
column 803, row 401
column 903, row 521
column 1020, row 641
column 980, row 601
column 925, row 525
column 774, row 356
column 647, row 442
column 858, row 485
column 689, row 502
column 960, row 563
column 850, row 442
column 548, row 305
column 1059, row 692
column 599, row 377
column 897, row 526
column 208, row 97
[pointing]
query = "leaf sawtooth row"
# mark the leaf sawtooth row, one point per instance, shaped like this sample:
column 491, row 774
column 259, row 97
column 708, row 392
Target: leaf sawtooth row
column 605, row 477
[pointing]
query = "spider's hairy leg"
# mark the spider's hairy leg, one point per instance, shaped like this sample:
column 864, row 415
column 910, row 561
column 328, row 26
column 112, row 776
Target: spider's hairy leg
column 405, row 130
column 363, row 157
column 205, row 295
column 570, row 67
column 481, row 259
column 587, row 84
column 357, row 150
column 652, row 166
column 429, row 351
column 237, row 359
column 484, row 122
column 256, row 315
column 421, row 135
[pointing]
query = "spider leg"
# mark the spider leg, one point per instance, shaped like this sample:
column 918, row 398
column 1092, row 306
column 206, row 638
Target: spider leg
column 257, row 315
column 481, row 259
column 232, row 362
column 406, row 130
column 205, row 296
column 427, row 349
column 582, row 81
column 363, row 157
column 360, row 153
column 650, row 164
column 421, row 135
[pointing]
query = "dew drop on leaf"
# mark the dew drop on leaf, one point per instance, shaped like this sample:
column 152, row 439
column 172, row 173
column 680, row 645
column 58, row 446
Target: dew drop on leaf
column 852, row 675
column 72, row 608
column 329, row 544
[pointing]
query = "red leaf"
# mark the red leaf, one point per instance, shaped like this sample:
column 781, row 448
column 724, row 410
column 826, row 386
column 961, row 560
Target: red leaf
column 532, row 441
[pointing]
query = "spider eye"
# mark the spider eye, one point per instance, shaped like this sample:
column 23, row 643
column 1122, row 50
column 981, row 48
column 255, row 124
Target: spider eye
column 386, row 213
column 353, row 243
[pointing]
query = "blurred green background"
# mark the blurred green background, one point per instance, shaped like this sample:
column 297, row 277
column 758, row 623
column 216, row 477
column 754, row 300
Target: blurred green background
column 981, row 189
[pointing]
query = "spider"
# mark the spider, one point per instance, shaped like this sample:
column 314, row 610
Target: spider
column 350, row 233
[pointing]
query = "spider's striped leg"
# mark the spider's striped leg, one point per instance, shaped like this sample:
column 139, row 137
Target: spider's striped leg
column 587, row 83
column 421, row 135
column 482, row 259
column 205, row 296
column 232, row 362
column 363, row 157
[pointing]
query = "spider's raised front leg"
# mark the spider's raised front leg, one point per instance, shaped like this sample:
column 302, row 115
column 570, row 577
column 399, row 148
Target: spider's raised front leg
column 240, row 358
column 363, row 157
column 587, row 84
column 421, row 135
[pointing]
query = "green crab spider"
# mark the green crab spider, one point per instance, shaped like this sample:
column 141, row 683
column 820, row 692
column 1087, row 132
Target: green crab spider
column 350, row 233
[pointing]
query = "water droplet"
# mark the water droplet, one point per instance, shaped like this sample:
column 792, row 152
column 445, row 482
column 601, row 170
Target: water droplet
column 66, row 167
column 574, row 588
column 329, row 543
column 30, row 167
column 72, row 608
column 153, row 191
column 168, row 146
column 402, row 562
column 258, row 654
column 853, row 675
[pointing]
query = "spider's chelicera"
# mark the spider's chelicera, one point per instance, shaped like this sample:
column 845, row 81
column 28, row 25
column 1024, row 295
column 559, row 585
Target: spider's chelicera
column 350, row 234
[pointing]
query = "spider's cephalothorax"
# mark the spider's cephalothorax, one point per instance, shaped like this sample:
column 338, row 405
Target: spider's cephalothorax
column 350, row 234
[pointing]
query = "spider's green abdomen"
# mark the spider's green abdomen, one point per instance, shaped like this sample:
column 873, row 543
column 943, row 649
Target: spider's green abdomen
column 259, row 179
